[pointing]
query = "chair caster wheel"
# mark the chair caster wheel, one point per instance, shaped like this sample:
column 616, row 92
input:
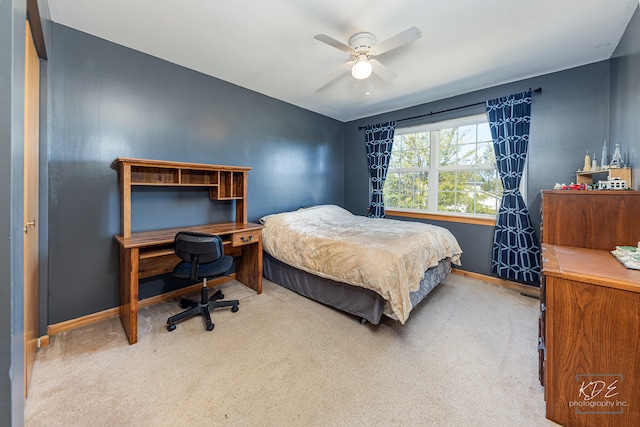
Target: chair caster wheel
column 171, row 327
column 234, row 309
column 210, row 327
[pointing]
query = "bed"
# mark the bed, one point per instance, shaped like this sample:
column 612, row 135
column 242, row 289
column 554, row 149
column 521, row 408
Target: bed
column 367, row 267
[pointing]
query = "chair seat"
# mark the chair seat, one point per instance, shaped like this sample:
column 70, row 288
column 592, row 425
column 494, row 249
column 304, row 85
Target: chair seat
column 216, row 268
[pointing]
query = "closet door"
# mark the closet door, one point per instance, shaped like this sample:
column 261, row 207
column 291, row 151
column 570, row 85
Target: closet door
column 31, row 190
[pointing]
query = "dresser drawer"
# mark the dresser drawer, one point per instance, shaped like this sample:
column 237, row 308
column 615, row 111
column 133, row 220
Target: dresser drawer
column 244, row 238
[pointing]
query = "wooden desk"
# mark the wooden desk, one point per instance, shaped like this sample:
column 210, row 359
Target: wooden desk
column 590, row 338
column 150, row 253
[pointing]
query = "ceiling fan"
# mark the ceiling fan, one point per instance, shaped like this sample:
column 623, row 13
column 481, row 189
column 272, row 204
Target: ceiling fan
column 363, row 47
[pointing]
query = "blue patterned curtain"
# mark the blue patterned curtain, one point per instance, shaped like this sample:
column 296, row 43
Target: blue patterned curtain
column 516, row 251
column 379, row 140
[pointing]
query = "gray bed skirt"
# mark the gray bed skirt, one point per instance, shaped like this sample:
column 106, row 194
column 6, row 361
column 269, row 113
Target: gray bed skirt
column 361, row 302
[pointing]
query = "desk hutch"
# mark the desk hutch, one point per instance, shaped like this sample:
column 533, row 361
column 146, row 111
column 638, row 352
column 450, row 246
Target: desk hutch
column 150, row 253
column 589, row 330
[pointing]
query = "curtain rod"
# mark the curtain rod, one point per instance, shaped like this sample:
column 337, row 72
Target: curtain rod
column 539, row 90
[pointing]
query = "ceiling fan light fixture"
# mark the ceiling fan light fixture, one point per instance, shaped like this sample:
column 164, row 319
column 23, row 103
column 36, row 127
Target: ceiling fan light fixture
column 362, row 68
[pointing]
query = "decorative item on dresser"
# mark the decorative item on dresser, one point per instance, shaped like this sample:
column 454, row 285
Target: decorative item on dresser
column 618, row 173
column 589, row 327
column 621, row 174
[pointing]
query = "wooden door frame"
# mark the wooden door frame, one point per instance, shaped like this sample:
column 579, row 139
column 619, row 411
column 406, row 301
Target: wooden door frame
column 31, row 203
column 34, row 40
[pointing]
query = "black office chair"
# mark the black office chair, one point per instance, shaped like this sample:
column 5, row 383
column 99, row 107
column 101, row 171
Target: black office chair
column 203, row 258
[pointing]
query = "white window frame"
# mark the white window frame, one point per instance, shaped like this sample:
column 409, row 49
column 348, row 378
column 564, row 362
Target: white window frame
column 435, row 168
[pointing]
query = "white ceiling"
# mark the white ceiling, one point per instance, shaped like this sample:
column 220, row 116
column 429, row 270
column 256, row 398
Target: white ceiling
column 267, row 45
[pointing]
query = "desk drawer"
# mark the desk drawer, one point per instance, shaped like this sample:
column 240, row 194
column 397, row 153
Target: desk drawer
column 246, row 237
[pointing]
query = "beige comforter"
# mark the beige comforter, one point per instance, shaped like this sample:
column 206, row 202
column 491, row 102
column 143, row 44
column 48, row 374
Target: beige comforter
column 384, row 255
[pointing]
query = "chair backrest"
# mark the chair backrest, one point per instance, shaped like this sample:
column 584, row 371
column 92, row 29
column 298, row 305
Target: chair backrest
column 198, row 247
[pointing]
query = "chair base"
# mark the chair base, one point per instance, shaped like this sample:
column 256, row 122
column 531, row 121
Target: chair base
column 202, row 307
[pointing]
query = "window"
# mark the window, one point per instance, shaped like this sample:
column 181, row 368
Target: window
column 445, row 167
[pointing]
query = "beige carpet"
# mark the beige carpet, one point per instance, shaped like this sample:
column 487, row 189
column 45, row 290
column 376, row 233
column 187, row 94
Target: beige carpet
column 466, row 357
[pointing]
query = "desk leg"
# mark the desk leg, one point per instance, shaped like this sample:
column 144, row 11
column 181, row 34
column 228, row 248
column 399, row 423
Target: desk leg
column 129, row 292
column 249, row 266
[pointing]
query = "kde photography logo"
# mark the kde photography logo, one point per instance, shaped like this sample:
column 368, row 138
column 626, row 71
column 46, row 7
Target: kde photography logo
column 599, row 394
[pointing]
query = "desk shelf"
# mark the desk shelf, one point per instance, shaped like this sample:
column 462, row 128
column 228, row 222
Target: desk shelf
column 231, row 186
column 224, row 182
column 156, row 253
column 154, row 175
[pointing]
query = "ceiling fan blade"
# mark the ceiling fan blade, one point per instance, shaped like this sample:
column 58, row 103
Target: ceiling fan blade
column 381, row 71
column 400, row 39
column 335, row 43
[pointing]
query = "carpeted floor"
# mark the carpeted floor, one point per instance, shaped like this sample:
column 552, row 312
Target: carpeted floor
column 467, row 356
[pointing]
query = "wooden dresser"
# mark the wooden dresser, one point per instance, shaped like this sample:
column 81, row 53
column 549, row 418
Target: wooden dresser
column 589, row 339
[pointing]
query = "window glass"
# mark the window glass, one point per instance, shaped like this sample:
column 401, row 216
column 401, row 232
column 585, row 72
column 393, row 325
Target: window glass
column 408, row 190
column 462, row 179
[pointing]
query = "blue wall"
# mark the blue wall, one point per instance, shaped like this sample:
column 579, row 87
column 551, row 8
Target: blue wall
column 108, row 101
